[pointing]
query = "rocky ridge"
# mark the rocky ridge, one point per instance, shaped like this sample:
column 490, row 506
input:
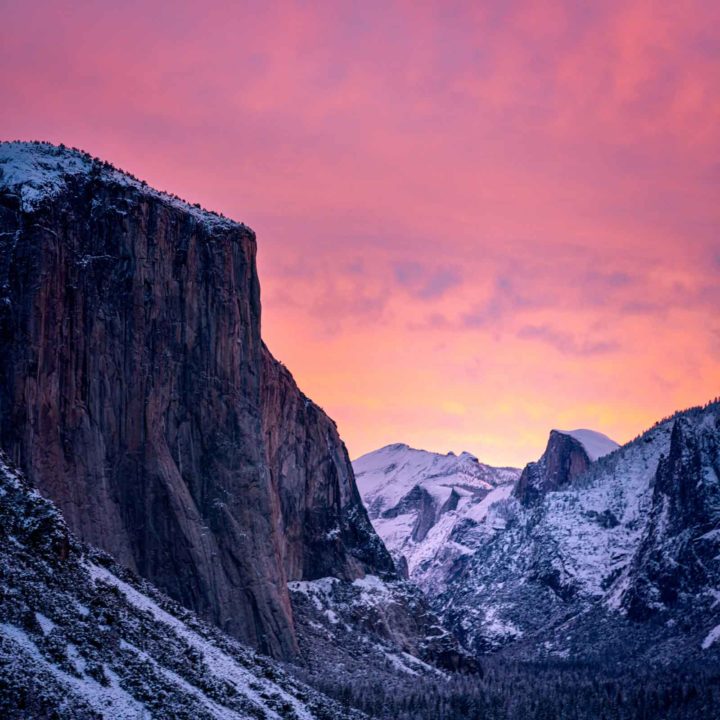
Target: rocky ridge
column 82, row 638
column 429, row 508
column 136, row 393
column 616, row 562
column 567, row 456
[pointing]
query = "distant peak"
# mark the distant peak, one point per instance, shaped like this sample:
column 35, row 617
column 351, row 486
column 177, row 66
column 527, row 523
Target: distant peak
column 402, row 452
column 596, row 444
column 396, row 446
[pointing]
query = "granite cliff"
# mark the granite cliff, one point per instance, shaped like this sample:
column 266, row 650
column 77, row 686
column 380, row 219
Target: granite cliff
column 566, row 457
column 137, row 394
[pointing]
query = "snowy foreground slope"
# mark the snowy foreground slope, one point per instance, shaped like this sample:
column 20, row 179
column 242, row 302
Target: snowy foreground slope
column 422, row 502
column 82, row 638
column 612, row 559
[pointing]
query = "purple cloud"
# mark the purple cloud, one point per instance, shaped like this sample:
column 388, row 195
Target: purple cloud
column 426, row 283
column 566, row 342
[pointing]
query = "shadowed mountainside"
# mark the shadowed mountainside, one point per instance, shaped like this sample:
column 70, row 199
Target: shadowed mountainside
column 135, row 391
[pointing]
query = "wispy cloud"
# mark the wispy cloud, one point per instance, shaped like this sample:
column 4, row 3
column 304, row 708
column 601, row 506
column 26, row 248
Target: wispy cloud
column 506, row 298
column 425, row 282
column 566, row 342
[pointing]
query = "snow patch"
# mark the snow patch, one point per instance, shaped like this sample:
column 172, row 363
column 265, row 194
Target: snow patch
column 45, row 623
column 110, row 701
column 595, row 443
column 220, row 663
column 712, row 637
column 37, row 171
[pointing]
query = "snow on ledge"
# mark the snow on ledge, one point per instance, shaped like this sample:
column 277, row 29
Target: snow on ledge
column 37, row 170
column 595, row 443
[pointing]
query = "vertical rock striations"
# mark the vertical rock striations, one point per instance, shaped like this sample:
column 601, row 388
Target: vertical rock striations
column 564, row 459
column 677, row 557
column 135, row 392
column 325, row 530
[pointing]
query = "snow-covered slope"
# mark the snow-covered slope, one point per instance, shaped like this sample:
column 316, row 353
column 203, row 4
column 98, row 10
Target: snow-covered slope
column 420, row 502
column 362, row 630
column 620, row 556
column 82, row 638
column 38, row 170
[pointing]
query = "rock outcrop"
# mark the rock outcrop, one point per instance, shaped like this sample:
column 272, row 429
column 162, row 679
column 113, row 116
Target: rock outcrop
column 81, row 637
column 619, row 563
column 677, row 559
column 136, row 393
column 567, row 456
column 325, row 531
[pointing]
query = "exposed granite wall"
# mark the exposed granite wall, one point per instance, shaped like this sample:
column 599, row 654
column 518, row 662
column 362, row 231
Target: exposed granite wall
column 135, row 392
column 563, row 460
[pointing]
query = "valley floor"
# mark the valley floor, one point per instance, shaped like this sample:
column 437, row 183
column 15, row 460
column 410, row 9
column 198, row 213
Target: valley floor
column 508, row 691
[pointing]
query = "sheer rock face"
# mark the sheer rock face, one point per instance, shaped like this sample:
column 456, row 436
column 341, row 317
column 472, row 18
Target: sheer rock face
column 678, row 555
column 325, row 530
column 620, row 564
column 136, row 393
column 564, row 459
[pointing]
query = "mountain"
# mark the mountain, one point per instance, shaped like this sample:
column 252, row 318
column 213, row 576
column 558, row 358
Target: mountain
column 569, row 454
column 138, row 398
column 614, row 559
column 428, row 508
column 137, row 394
column 81, row 637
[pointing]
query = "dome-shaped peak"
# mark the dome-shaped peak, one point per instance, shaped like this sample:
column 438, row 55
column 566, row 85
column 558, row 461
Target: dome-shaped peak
column 596, row 444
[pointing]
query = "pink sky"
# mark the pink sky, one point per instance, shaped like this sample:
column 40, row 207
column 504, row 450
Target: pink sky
column 476, row 221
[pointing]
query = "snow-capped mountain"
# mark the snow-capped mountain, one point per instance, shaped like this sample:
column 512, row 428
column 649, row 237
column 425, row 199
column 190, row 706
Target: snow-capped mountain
column 568, row 454
column 594, row 551
column 422, row 505
column 617, row 557
column 595, row 444
column 80, row 637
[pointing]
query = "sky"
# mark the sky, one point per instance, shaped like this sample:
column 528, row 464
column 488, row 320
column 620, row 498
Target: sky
column 476, row 221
